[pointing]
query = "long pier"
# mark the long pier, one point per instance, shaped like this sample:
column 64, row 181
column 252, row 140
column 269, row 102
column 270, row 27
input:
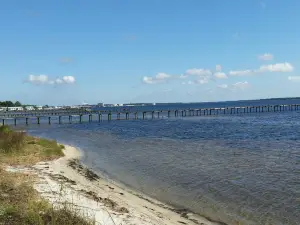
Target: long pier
column 80, row 116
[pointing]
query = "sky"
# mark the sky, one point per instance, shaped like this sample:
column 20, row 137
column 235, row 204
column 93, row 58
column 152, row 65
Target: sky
column 115, row 51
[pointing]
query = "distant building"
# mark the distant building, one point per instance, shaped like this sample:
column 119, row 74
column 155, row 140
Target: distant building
column 15, row 108
column 39, row 107
column 29, row 108
column 48, row 108
column 109, row 105
column 100, row 104
column 138, row 104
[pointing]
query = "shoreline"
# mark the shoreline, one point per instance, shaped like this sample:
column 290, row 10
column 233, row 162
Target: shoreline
column 66, row 180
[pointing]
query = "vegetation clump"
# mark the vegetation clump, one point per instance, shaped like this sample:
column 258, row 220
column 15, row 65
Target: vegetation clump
column 18, row 148
column 20, row 204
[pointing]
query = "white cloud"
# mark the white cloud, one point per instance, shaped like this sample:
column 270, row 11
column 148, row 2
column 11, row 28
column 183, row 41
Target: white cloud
column 159, row 78
column 240, row 72
column 198, row 72
column 69, row 79
column 202, row 76
column 38, row 79
column 241, row 85
column 294, row 78
column 220, row 75
column 150, row 80
column 266, row 57
column 278, row 67
column 223, row 86
column 44, row 79
column 162, row 76
column 218, row 68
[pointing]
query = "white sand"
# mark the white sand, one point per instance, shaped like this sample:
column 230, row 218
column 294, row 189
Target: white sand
column 141, row 211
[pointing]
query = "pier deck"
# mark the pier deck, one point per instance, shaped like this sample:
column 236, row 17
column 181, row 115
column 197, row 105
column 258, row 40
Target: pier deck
column 80, row 116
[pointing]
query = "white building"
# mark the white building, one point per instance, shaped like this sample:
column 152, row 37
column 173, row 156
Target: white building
column 39, row 107
column 29, row 108
column 15, row 108
column 49, row 108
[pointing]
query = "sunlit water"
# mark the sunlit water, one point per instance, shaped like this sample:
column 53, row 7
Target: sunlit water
column 230, row 168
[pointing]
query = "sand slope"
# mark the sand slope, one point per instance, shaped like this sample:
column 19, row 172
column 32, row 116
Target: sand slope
column 61, row 181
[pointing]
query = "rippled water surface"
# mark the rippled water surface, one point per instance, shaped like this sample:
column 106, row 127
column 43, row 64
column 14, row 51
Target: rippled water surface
column 230, row 168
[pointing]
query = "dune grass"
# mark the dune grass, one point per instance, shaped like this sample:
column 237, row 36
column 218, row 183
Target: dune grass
column 20, row 204
column 17, row 148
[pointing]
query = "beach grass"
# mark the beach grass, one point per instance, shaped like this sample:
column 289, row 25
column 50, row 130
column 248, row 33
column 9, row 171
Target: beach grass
column 18, row 148
column 20, row 204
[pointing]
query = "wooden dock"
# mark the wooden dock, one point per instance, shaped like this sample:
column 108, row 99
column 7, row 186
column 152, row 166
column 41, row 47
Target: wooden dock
column 80, row 116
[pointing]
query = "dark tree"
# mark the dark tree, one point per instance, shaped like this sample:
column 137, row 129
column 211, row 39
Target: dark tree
column 9, row 104
column 18, row 104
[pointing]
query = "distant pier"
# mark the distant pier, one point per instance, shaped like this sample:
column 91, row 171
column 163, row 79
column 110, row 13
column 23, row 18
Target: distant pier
column 80, row 116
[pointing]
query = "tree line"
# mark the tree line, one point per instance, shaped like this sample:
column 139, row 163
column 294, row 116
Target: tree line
column 10, row 104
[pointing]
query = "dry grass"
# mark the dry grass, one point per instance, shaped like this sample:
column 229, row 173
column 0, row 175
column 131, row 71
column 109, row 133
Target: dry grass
column 17, row 148
column 20, row 204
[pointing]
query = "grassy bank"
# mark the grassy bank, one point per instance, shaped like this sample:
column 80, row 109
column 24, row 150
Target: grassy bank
column 20, row 204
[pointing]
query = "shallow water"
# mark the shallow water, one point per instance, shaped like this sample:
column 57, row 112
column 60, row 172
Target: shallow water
column 230, row 168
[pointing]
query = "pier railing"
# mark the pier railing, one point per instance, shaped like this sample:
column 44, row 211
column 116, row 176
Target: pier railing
column 80, row 116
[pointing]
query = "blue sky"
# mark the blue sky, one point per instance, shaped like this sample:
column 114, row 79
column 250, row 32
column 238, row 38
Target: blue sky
column 66, row 52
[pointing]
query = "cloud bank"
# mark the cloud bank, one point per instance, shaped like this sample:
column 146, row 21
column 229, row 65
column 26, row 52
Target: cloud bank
column 45, row 80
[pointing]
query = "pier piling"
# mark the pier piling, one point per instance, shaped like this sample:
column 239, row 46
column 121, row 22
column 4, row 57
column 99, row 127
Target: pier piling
column 14, row 116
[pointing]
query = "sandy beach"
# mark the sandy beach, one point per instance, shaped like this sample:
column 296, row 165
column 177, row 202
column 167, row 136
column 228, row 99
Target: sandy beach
column 66, row 181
